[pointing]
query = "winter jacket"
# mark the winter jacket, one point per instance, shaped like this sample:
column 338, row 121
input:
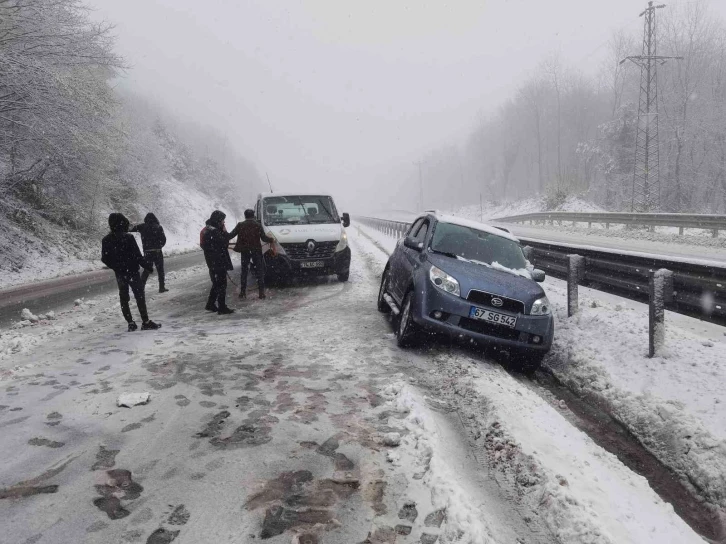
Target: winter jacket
column 152, row 233
column 250, row 236
column 215, row 243
column 120, row 252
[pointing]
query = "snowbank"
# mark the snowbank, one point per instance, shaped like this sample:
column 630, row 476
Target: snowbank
column 38, row 250
column 673, row 403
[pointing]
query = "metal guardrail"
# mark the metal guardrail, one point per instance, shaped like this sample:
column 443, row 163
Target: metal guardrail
column 693, row 289
column 714, row 223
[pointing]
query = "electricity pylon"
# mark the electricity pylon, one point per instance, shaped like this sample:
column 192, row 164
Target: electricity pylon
column 646, row 168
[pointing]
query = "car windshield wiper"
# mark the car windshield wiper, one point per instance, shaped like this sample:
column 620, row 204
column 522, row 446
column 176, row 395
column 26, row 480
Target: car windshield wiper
column 445, row 253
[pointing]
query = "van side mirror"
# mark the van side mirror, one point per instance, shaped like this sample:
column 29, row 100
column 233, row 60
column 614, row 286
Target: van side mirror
column 538, row 275
column 411, row 243
column 346, row 220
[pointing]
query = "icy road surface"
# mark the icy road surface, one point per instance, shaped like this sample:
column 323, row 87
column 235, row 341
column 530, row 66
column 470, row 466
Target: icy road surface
column 295, row 419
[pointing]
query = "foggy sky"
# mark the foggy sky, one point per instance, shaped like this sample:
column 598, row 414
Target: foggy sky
column 343, row 96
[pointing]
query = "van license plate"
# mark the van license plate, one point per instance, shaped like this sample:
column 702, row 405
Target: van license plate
column 312, row 264
column 496, row 318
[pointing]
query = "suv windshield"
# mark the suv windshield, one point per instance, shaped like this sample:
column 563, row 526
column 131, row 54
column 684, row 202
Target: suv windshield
column 292, row 210
column 478, row 246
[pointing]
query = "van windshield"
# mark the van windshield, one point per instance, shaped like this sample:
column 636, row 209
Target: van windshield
column 293, row 210
column 477, row 246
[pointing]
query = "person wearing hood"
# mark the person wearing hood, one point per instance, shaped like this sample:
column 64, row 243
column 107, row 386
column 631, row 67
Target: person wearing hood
column 153, row 240
column 215, row 241
column 120, row 252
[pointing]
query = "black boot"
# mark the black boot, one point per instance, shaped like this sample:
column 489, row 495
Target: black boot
column 225, row 311
column 163, row 289
column 211, row 308
column 150, row 326
column 132, row 326
column 262, row 293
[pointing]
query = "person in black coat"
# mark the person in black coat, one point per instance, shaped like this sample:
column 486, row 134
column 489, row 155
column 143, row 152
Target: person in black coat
column 250, row 236
column 153, row 240
column 215, row 242
column 120, row 252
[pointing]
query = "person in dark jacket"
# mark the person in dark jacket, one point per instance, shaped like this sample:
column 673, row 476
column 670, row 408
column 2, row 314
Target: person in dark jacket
column 120, row 252
column 215, row 242
column 250, row 236
column 152, row 240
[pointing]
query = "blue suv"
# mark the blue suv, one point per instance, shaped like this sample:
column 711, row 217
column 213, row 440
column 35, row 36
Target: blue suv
column 467, row 279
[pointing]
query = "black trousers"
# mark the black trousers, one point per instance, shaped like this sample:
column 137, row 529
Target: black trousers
column 254, row 256
column 218, row 292
column 133, row 281
column 156, row 258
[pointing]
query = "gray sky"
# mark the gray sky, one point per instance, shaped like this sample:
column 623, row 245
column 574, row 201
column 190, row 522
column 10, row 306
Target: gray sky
column 335, row 95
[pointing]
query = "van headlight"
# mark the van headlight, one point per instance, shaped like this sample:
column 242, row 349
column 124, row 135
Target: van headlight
column 444, row 282
column 343, row 242
column 541, row 306
column 275, row 246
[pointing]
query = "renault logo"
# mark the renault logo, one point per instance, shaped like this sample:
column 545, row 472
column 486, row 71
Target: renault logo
column 311, row 247
column 498, row 302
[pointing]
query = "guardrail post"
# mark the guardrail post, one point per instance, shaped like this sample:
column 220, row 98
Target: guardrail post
column 714, row 233
column 680, row 231
column 575, row 269
column 660, row 292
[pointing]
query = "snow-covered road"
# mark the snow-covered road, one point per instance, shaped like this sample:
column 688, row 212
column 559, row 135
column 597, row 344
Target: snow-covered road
column 296, row 418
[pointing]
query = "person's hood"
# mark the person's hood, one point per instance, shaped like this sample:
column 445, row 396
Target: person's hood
column 151, row 219
column 118, row 223
column 215, row 220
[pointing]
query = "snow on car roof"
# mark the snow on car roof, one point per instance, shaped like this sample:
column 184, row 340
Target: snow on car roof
column 475, row 225
column 267, row 195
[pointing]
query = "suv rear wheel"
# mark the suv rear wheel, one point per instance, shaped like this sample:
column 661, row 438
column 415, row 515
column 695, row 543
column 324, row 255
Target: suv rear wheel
column 408, row 333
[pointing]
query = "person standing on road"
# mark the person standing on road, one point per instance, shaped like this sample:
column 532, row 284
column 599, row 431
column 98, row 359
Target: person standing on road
column 153, row 240
column 120, row 252
column 250, row 236
column 215, row 242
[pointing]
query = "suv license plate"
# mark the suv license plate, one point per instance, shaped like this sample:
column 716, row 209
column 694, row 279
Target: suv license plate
column 312, row 264
column 496, row 318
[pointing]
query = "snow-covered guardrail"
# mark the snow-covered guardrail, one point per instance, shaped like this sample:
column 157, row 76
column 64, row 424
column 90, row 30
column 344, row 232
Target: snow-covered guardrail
column 697, row 289
column 714, row 223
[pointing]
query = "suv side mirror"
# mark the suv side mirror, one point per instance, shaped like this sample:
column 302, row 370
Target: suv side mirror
column 346, row 220
column 538, row 275
column 411, row 243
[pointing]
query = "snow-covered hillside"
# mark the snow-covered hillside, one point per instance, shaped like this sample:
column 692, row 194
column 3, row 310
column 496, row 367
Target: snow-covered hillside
column 34, row 248
column 493, row 210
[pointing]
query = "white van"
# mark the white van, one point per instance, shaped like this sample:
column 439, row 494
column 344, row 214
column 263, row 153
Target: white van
column 310, row 235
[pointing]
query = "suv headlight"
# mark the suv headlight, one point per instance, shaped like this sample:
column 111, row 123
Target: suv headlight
column 541, row 306
column 444, row 282
column 343, row 242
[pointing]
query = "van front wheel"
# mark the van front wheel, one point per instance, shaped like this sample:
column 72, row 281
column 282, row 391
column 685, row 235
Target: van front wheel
column 343, row 276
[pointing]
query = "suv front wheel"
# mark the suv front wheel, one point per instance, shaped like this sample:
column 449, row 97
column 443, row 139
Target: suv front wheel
column 383, row 306
column 408, row 332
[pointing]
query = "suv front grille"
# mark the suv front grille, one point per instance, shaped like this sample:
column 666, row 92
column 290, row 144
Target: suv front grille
column 482, row 327
column 299, row 252
column 485, row 299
